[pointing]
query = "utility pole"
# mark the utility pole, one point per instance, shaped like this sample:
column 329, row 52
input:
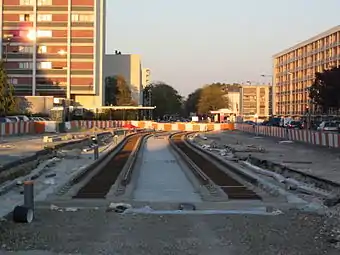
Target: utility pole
column 271, row 94
column 7, row 44
column 149, row 103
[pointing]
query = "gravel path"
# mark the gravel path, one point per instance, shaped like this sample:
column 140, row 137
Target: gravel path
column 98, row 232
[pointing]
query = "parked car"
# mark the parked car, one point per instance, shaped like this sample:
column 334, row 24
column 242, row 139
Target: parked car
column 295, row 124
column 275, row 122
column 4, row 120
column 329, row 126
column 18, row 118
column 13, row 118
column 37, row 119
column 249, row 122
column 23, row 118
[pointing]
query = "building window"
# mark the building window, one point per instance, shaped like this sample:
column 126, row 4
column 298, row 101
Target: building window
column 44, row 65
column 44, row 17
column 13, row 81
column 44, row 33
column 82, row 18
column 25, row 49
column 25, row 65
column 42, row 49
column 27, row 2
column 44, row 2
column 75, row 17
column 26, row 17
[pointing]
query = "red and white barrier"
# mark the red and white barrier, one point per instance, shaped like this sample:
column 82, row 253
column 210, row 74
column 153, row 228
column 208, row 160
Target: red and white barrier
column 40, row 127
column 88, row 124
column 307, row 136
column 16, row 128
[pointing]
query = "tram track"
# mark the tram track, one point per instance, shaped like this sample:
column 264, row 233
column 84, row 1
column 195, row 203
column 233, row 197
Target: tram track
column 206, row 170
column 100, row 184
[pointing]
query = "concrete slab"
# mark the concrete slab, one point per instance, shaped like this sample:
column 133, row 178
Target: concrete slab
column 16, row 147
column 319, row 161
column 161, row 177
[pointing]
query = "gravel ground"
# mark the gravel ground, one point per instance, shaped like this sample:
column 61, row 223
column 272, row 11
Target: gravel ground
column 99, row 232
column 320, row 161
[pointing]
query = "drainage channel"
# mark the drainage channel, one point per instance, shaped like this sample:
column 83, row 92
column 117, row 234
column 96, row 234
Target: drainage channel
column 233, row 188
column 100, row 184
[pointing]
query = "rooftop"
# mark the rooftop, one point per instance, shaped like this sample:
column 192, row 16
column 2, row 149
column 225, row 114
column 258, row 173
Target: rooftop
column 308, row 41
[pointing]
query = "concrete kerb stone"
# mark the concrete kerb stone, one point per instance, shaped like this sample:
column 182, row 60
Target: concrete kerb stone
column 199, row 188
column 126, row 192
column 90, row 170
column 215, row 192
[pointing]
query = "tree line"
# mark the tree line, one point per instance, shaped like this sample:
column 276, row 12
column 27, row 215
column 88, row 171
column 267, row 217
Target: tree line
column 168, row 101
column 325, row 90
column 8, row 103
column 324, row 94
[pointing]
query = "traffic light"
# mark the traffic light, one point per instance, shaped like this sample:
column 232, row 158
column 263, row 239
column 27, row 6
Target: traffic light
column 307, row 109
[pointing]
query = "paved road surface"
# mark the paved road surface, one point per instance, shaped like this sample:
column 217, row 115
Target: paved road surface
column 320, row 161
column 14, row 148
column 160, row 177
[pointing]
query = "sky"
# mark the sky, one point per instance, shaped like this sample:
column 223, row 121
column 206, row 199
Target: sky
column 190, row 43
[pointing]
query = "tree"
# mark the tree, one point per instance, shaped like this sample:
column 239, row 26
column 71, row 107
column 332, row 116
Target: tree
column 117, row 91
column 191, row 104
column 166, row 99
column 213, row 97
column 7, row 99
column 325, row 90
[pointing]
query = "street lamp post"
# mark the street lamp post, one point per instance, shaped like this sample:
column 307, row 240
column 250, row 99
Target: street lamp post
column 149, row 103
column 256, row 123
column 309, row 107
column 7, row 44
column 272, row 94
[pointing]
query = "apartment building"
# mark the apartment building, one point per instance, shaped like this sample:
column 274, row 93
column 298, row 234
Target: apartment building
column 254, row 102
column 55, row 48
column 294, row 70
column 146, row 77
column 128, row 66
column 234, row 96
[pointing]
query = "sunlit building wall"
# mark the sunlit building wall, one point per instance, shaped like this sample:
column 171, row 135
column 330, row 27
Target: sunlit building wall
column 295, row 68
column 55, row 47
